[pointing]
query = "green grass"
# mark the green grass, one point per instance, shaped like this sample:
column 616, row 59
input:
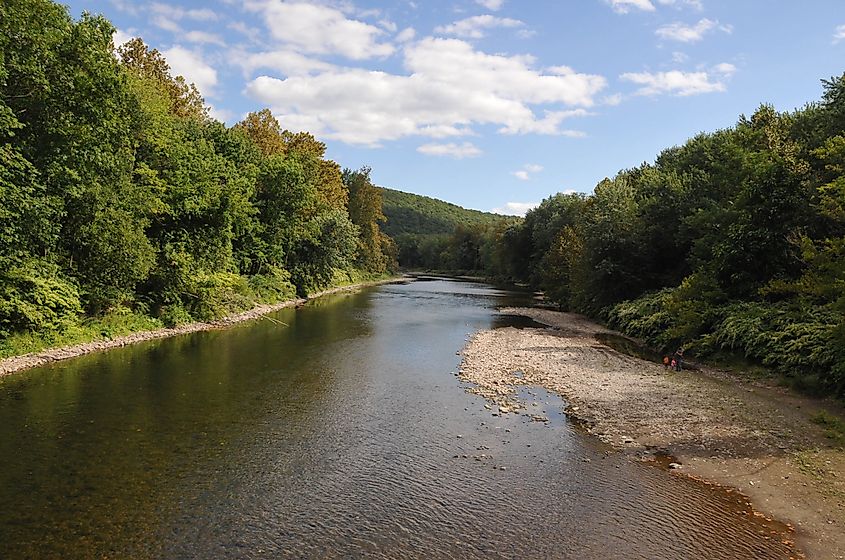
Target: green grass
column 834, row 427
column 123, row 321
column 117, row 323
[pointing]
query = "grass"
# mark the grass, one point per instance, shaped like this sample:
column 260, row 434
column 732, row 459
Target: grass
column 124, row 321
column 834, row 427
column 117, row 323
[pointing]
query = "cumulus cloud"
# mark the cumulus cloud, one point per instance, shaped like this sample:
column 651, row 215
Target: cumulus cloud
column 527, row 171
column 725, row 69
column 202, row 37
column 685, row 33
column 178, row 13
column 452, row 150
column 286, row 62
column 549, row 124
column 188, row 63
column 494, row 5
column 449, row 89
column 689, row 33
column 695, row 4
column 120, row 37
column 625, row 6
column 167, row 17
column 320, row 29
column 612, row 100
column 406, row 35
column 515, row 208
column 476, row 26
column 839, row 33
column 673, row 83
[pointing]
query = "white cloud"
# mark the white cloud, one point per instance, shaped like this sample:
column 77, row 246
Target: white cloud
column 839, row 33
column 243, row 28
column 120, row 37
column 549, row 124
column 178, row 13
column 679, row 57
column 456, row 151
column 725, row 69
column 125, row 6
column 612, row 100
column 515, row 208
column 475, row 27
column 625, row 6
column 286, row 62
column 674, row 82
column 406, row 35
column 202, row 37
column 166, row 23
column 494, row 5
column 527, row 171
column 320, row 29
column 450, row 88
column 687, row 33
column 695, row 4
column 193, row 68
column 388, row 25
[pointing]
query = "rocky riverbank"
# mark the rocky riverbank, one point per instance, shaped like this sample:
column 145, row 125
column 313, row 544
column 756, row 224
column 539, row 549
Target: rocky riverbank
column 35, row 359
column 753, row 437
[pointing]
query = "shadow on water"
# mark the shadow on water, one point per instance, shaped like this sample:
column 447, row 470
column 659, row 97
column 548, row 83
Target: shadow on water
column 341, row 435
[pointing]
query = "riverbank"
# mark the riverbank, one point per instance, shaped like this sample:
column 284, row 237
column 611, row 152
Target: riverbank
column 34, row 359
column 761, row 440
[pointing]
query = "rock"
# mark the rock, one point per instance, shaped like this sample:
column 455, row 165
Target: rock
column 675, row 465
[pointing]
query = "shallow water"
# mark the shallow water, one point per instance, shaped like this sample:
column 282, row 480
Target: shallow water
column 341, row 435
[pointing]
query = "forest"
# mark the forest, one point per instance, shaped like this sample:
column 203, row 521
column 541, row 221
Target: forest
column 427, row 231
column 124, row 206
column 731, row 245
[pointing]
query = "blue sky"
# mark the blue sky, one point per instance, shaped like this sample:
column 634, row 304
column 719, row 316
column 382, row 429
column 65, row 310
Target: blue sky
column 493, row 104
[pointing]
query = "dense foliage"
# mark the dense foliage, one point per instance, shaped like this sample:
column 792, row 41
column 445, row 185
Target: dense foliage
column 732, row 244
column 436, row 235
column 120, row 195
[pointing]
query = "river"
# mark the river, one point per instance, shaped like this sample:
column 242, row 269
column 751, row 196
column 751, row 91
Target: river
column 334, row 430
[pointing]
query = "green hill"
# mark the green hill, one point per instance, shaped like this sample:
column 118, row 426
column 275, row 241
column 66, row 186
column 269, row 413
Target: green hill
column 422, row 215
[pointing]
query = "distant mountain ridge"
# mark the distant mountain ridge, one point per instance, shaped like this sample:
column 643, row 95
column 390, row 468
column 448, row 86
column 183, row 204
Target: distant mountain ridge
column 409, row 213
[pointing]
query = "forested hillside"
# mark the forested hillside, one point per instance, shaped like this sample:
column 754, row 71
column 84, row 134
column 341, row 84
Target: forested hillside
column 123, row 205
column 426, row 229
column 413, row 213
column 733, row 243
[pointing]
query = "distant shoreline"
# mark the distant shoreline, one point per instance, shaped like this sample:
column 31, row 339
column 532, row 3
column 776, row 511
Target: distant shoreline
column 709, row 424
column 16, row 364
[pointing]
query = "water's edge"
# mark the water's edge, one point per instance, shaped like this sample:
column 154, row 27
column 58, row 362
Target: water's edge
column 31, row 360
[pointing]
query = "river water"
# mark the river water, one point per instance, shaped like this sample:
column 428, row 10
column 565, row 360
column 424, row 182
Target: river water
column 336, row 430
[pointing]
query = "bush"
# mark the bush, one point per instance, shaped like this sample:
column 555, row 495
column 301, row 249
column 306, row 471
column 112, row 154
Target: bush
column 647, row 317
column 272, row 287
column 215, row 294
column 35, row 297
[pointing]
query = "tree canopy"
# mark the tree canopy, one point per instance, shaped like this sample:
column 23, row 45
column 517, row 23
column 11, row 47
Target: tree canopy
column 118, row 191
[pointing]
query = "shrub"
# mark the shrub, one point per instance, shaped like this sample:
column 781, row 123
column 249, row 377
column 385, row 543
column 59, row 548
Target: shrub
column 35, row 297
